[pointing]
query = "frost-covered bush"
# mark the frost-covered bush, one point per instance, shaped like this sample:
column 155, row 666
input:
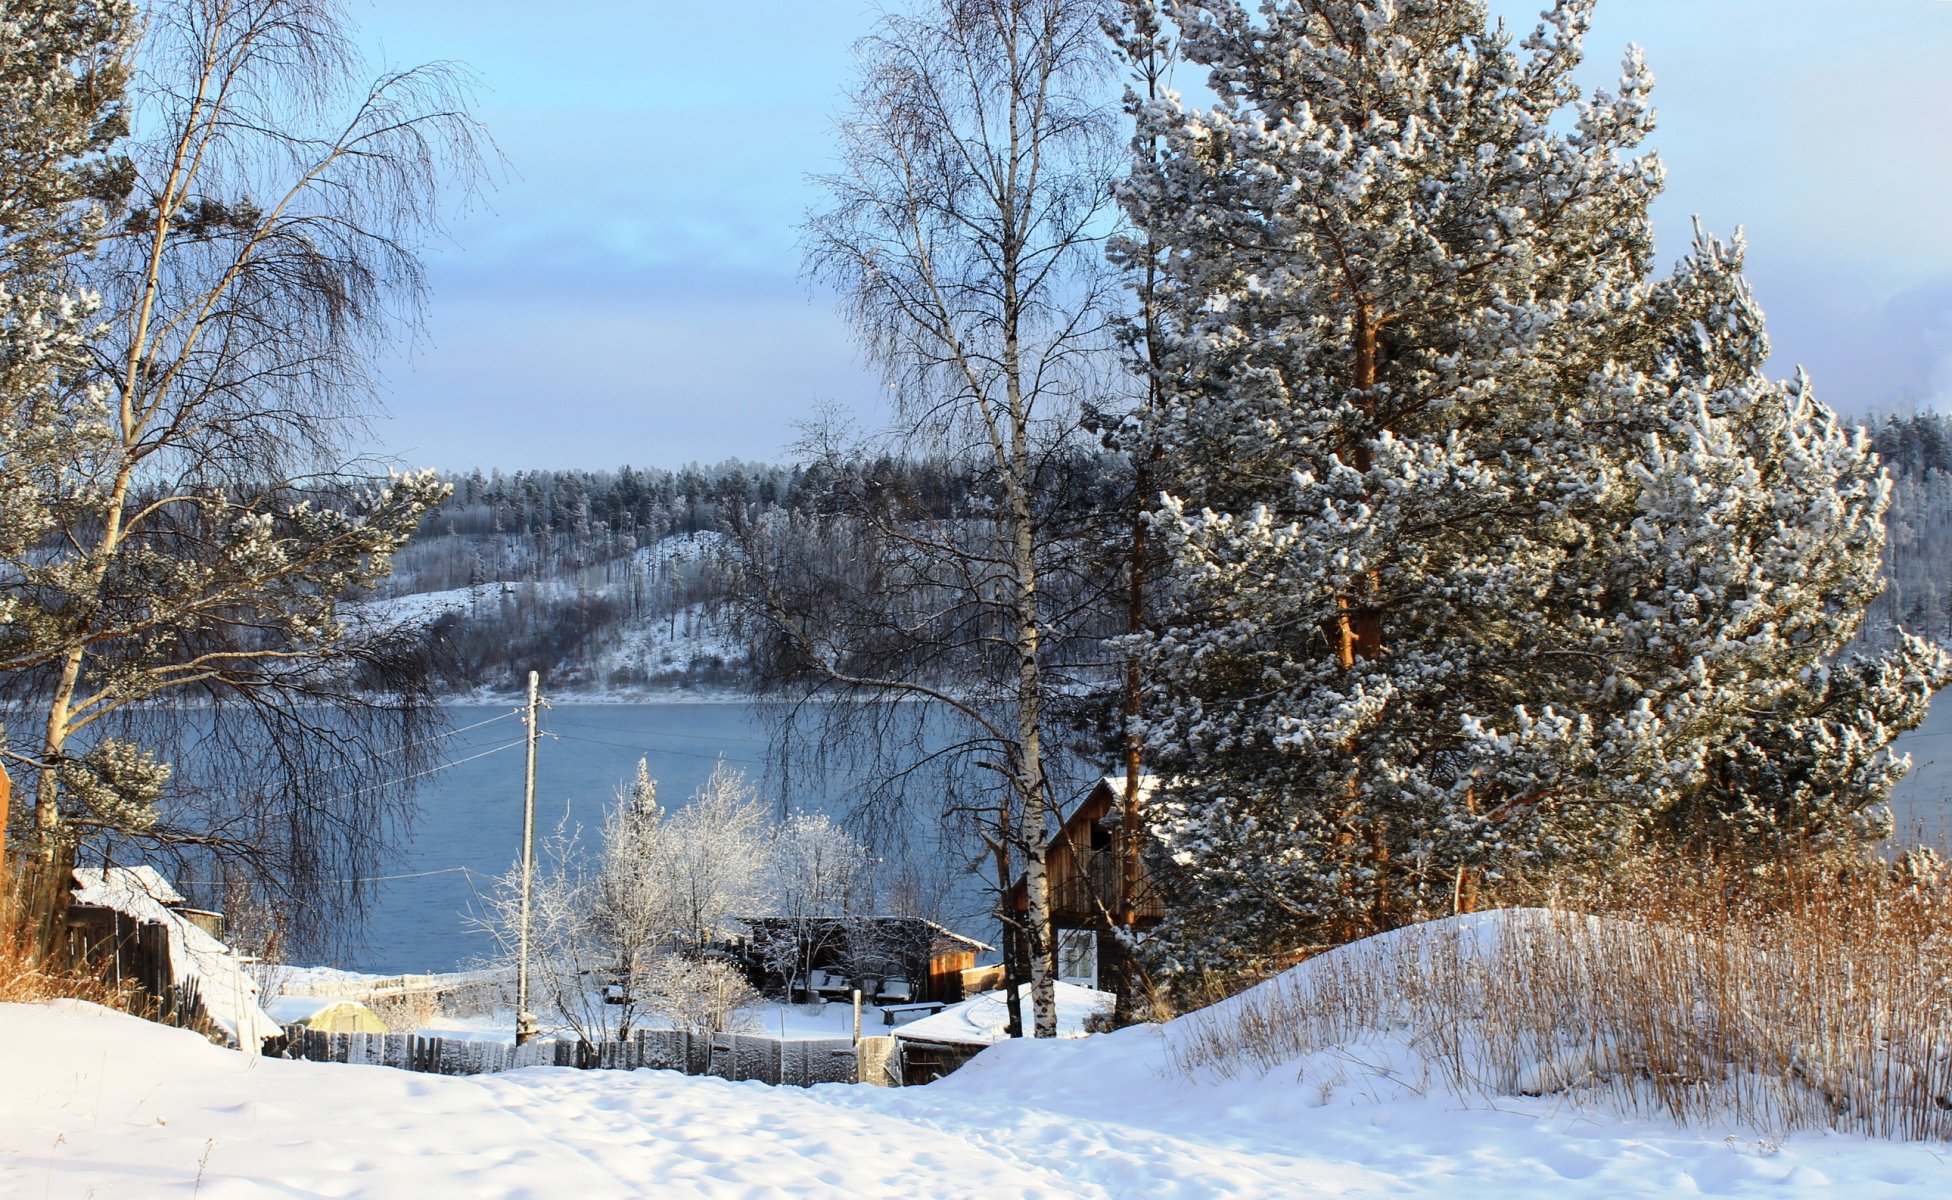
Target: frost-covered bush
column 620, row 932
column 700, row 995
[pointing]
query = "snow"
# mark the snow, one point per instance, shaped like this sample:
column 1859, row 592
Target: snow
column 112, row 887
column 789, row 1022
column 981, row 1019
column 102, row 1104
column 308, row 989
column 662, row 651
column 229, row 993
column 287, row 1009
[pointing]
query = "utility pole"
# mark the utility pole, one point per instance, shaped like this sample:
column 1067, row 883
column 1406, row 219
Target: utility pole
column 524, row 1019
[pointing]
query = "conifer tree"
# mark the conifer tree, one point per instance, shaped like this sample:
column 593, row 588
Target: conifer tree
column 1490, row 549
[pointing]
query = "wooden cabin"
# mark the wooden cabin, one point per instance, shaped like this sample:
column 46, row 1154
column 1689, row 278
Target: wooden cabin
column 1085, row 866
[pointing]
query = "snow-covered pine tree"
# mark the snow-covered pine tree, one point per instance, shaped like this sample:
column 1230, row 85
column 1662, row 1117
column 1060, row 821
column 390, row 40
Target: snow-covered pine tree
column 63, row 69
column 1489, row 549
column 63, row 73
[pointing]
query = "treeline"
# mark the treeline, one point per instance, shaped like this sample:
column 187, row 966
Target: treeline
column 628, row 579
column 579, row 568
column 1917, row 451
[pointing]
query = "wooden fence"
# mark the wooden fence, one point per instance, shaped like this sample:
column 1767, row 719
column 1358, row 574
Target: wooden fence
column 34, row 894
column 724, row 1055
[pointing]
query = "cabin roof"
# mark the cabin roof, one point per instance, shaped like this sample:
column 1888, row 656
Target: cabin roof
column 1103, row 798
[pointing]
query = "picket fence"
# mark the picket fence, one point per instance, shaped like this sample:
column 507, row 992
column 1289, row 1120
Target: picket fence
column 724, row 1055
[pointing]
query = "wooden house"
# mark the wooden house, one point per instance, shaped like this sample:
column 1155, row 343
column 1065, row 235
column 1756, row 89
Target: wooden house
column 130, row 924
column 1085, row 864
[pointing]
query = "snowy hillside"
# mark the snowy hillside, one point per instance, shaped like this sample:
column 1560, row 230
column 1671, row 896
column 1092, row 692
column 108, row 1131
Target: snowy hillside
column 103, row 1104
column 639, row 619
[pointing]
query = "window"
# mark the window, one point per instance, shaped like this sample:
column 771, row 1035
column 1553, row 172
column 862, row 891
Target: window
column 1077, row 956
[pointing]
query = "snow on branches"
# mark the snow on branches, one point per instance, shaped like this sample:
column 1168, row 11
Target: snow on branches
column 1489, row 548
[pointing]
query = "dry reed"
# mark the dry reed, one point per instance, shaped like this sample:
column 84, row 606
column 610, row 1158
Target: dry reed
column 1792, row 998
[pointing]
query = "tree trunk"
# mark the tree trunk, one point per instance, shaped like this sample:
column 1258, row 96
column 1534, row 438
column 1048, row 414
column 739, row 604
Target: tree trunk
column 1032, row 788
column 1008, row 924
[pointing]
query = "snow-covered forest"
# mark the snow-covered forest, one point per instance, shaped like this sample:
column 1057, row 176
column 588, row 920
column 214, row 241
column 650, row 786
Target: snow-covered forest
column 1917, row 451
column 630, row 580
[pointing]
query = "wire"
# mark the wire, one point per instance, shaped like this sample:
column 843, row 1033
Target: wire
column 454, row 763
column 374, row 787
column 513, row 712
column 468, row 871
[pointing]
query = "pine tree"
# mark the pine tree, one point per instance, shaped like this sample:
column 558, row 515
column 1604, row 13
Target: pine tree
column 1489, row 548
column 63, row 70
column 63, row 73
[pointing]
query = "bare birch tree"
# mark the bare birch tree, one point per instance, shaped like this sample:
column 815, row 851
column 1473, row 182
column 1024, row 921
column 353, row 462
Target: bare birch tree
column 964, row 236
column 203, row 516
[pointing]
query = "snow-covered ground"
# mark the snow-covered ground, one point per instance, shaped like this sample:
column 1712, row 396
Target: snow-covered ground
column 495, row 1022
column 100, row 1104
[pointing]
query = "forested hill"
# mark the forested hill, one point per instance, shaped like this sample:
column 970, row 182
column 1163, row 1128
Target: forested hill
column 611, row 581
column 1917, row 450
column 619, row 581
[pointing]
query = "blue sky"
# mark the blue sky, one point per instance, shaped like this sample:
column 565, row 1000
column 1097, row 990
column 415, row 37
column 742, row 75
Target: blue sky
column 631, row 291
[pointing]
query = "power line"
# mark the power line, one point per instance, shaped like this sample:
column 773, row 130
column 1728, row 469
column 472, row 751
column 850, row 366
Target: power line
column 468, row 871
column 429, row 771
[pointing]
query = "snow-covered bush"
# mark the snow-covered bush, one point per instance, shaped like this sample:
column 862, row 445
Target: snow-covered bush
column 622, row 933
column 700, row 995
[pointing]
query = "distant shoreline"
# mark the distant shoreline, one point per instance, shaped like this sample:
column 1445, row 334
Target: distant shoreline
column 661, row 696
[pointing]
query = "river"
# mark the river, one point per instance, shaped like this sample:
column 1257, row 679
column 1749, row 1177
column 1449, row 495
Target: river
column 469, row 828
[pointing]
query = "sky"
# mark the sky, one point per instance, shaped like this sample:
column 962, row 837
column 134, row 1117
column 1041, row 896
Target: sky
column 631, row 288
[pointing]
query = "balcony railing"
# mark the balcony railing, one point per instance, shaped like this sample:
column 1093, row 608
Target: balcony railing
column 1086, row 886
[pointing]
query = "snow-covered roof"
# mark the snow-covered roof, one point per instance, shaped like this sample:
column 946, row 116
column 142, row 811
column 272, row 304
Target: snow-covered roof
column 1147, row 784
column 949, row 935
column 230, row 995
column 982, row 1019
column 115, row 887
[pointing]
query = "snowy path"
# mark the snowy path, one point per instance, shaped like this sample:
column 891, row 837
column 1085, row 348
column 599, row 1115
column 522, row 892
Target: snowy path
column 98, row 1104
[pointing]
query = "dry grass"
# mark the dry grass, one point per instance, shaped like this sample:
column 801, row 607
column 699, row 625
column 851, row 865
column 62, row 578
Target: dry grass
column 1796, row 998
column 24, row 981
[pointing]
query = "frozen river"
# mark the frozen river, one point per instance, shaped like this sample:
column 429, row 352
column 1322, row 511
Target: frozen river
column 1922, row 803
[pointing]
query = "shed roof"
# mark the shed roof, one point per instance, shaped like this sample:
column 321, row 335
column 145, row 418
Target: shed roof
column 942, row 940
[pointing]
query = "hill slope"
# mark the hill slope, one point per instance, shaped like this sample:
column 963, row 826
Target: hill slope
column 102, row 1104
